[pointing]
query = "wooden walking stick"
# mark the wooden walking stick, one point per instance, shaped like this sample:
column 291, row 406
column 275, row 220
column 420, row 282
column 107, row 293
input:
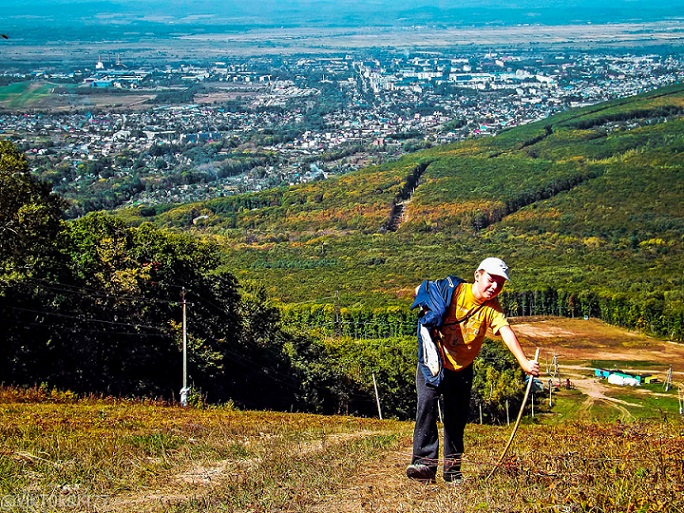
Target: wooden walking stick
column 517, row 422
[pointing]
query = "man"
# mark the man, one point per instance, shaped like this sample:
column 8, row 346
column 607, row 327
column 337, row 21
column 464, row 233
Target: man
column 470, row 311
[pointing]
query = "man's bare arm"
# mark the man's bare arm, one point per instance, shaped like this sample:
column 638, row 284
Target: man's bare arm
column 511, row 341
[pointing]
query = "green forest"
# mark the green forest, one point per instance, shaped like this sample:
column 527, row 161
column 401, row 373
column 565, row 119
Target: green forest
column 298, row 296
column 585, row 207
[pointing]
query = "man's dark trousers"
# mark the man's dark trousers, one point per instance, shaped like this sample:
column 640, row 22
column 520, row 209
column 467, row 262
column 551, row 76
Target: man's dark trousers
column 455, row 389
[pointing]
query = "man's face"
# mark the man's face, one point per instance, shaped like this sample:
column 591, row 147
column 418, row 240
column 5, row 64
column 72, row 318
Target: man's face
column 487, row 286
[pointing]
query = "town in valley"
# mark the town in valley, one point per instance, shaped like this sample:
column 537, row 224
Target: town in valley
column 118, row 132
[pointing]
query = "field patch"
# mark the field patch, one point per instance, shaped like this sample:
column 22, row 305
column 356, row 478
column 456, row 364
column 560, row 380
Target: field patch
column 596, row 343
column 24, row 95
column 42, row 95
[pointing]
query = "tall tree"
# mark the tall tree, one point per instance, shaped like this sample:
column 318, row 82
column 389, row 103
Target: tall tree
column 30, row 216
column 30, row 224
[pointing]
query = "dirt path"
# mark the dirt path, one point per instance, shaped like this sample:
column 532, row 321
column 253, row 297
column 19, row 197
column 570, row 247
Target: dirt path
column 380, row 487
column 594, row 392
column 579, row 341
column 202, row 478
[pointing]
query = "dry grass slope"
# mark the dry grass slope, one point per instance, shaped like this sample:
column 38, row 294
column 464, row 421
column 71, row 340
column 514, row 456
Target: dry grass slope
column 59, row 453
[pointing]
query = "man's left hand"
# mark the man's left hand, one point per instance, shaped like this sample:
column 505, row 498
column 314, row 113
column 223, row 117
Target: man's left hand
column 532, row 368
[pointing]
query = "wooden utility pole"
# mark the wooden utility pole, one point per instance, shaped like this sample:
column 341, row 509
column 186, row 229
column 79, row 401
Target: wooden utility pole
column 377, row 397
column 553, row 369
column 184, row 391
column 338, row 324
column 668, row 380
column 532, row 400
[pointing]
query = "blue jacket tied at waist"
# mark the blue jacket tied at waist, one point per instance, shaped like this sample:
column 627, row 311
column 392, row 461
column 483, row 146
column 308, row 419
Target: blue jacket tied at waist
column 433, row 297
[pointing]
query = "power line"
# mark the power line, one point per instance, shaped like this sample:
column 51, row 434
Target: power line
column 207, row 302
column 137, row 334
column 80, row 318
column 94, row 293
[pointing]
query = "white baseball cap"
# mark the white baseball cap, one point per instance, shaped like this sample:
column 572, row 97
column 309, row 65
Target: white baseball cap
column 495, row 267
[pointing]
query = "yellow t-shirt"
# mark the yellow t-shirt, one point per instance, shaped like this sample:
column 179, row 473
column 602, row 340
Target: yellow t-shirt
column 461, row 343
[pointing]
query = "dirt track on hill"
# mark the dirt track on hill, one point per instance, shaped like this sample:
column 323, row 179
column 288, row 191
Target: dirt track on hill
column 579, row 341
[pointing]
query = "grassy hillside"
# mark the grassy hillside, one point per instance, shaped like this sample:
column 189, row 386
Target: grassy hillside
column 588, row 202
column 599, row 448
column 125, row 457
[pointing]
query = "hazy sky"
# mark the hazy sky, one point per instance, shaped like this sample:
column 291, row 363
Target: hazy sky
column 205, row 26
column 340, row 12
